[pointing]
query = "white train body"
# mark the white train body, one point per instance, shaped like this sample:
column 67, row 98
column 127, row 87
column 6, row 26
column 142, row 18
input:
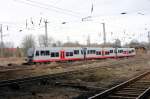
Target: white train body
column 51, row 54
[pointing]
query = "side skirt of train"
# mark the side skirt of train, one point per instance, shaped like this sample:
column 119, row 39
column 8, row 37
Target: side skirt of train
column 58, row 54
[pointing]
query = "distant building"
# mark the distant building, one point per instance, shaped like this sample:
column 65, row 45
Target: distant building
column 11, row 52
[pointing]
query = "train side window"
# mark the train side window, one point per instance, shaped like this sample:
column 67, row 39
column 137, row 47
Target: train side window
column 37, row 53
column 54, row 54
column 120, row 51
column 69, row 53
column 42, row 53
column 111, row 51
column 91, row 51
column 94, row 51
column 47, row 52
column 81, row 51
column 88, row 52
column 98, row 53
column 106, row 53
column 76, row 51
column 130, row 51
column 57, row 54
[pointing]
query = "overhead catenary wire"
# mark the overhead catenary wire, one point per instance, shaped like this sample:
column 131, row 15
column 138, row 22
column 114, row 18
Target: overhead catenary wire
column 57, row 1
column 29, row 0
column 52, row 6
column 48, row 8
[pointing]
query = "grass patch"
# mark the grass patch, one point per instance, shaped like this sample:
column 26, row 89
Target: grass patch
column 94, row 76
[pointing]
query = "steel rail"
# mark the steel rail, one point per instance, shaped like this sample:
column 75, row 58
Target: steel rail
column 105, row 94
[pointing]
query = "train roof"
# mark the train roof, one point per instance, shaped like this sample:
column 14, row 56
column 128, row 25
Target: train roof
column 77, row 47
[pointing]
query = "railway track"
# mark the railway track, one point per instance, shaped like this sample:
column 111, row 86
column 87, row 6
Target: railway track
column 47, row 78
column 135, row 88
column 4, row 83
column 50, row 78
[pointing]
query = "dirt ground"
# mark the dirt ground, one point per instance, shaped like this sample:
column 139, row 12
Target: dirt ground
column 14, row 60
column 108, row 73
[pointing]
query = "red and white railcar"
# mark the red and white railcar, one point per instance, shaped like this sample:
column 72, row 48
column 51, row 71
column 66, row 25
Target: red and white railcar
column 51, row 54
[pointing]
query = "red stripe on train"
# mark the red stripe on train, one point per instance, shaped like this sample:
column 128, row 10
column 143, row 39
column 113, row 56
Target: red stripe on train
column 75, row 59
column 53, row 60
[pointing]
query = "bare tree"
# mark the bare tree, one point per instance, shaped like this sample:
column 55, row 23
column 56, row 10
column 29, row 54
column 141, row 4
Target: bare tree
column 28, row 42
column 58, row 43
column 134, row 43
column 77, row 43
column 9, row 45
column 43, row 42
column 145, row 44
column 68, row 39
column 117, row 43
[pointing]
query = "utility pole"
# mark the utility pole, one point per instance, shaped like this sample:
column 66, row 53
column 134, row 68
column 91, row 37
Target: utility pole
column 148, row 39
column 88, row 41
column 116, row 51
column 1, row 44
column 46, row 35
column 104, row 34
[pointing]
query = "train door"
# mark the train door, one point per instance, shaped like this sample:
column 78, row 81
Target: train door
column 62, row 54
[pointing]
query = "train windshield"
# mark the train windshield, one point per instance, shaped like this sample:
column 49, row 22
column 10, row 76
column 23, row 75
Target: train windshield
column 30, row 52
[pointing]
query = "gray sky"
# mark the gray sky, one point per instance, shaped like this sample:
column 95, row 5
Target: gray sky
column 14, row 13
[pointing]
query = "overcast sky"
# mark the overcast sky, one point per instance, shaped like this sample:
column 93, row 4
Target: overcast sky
column 133, row 25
